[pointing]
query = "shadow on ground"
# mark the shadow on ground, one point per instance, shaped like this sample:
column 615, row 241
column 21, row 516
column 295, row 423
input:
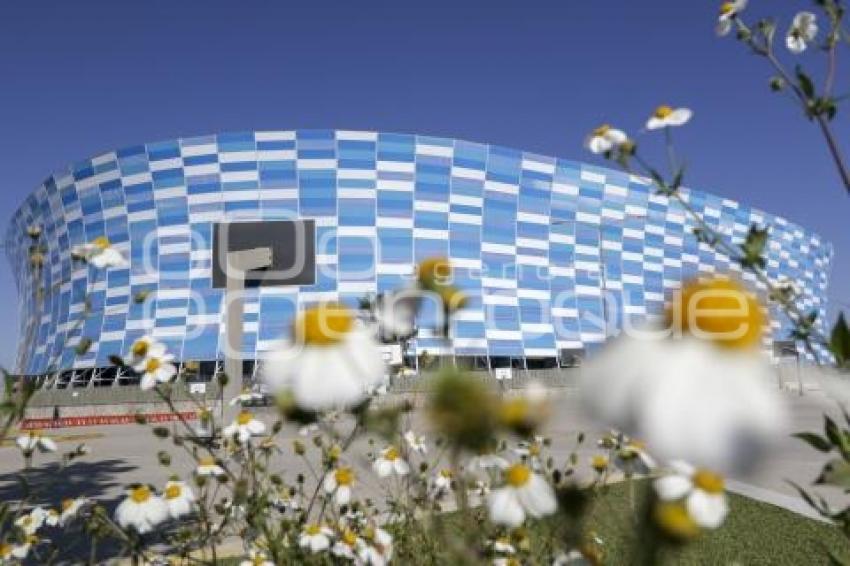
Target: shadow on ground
column 48, row 486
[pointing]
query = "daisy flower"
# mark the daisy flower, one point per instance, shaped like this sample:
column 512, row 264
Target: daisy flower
column 415, row 443
column 525, row 494
column 599, row 463
column 665, row 117
column 142, row 510
column 100, row 253
column 244, row 427
column 702, row 491
column 179, row 498
column 246, row 397
column 803, row 30
column 347, row 546
column 332, row 362
column 338, row 482
column 31, row 522
column 142, row 349
column 531, row 452
column 257, row 558
column 208, row 466
column 35, row 439
column 706, row 396
column 155, row 369
column 503, row 545
column 390, row 462
column 728, row 12
column 376, row 547
column 316, row 538
column 443, row 480
column 20, row 551
column 70, row 509
column 632, row 458
column 605, row 138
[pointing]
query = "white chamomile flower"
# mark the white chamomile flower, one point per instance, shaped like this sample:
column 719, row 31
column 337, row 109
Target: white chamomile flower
column 503, row 545
column 179, row 498
column 70, row 509
column 803, row 30
column 284, row 502
column 605, row 138
column 316, row 538
column 208, row 466
column 666, row 116
column 155, row 370
column 703, row 493
column 142, row 510
column 52, row 517
column 332, row 362
column 525, row 494
column 728, row 12
column 347, row 545
column 9, row 551
column 257, row 558
column 632, row 458
column 415, row 442
column 531, row 452
column 376, row 547
column 687, row 399
column 100, row 253
column 31, row 522
column 443, row 480
column 144, row 348
column 390, row 462
column 244, row 427
column 35, row 439
column 339, row 482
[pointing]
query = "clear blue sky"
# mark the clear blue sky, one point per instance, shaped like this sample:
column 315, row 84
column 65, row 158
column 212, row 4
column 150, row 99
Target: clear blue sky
column 78, row 78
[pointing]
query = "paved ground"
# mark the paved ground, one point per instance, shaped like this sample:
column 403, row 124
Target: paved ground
column 125, row 454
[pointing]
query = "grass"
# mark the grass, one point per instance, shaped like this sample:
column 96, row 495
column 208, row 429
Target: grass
column 754, row 533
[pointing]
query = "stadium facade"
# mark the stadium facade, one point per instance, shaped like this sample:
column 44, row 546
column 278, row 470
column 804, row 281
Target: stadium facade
column 536, row 241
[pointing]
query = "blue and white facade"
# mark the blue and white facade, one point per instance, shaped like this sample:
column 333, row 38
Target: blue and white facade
column 535, row 240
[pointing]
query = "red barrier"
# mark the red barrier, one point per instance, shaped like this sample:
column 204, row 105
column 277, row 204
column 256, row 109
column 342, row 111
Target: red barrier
column 30, row 424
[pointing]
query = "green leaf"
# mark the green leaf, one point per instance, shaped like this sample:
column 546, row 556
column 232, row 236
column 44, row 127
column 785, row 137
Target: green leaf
column 816, row 441
column 753, row 247
column 839, row 342
column 805, row 82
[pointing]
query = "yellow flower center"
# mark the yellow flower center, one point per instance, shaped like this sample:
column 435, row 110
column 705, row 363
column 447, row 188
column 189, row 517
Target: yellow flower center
column 152, row 365
column 720, row 310
column 435, row 271
column 599, row 463
column 709, row 481
column 101, row 242
column 140, row 348
column 514, row 411
column 391, row 454
column 140, row 494
column 67, row 503
column 675, row 520
column 727, row 8
column 663, row 111
column 323, row 325
column 517, row 475
column 244, row 418
column 601, row 130
column 344, row 476
column 349, row 538
column 173, row 491
column 313, row 529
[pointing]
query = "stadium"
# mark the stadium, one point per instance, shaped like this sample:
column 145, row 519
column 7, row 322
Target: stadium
column 555, row 255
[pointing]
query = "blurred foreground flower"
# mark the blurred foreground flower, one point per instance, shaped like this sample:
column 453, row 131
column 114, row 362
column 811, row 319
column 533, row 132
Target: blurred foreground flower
column 525, row 494
column 35, row 439
column 708, row 401
column 142, row 510
column 605, row 138
column 728, row 12
column 332, row 362
column 803, row 31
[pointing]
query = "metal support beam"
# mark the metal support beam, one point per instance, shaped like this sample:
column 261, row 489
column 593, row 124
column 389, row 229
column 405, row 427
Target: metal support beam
column 238, row 262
